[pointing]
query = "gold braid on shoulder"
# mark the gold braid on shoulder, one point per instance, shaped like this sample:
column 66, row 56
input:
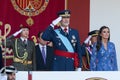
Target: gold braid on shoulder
column 25, row 53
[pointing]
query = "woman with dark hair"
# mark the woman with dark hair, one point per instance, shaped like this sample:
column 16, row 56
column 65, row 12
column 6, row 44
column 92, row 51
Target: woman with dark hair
column 103, row 56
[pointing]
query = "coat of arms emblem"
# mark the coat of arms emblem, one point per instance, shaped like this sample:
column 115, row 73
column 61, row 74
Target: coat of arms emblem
column 30, row 8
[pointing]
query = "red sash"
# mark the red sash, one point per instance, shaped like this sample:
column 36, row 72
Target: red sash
column 69, row 55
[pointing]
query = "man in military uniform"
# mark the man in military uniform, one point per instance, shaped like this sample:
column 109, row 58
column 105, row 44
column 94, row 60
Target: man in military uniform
column 23, row 50
column 88, row 45
column 66, row 43
column 8, row 73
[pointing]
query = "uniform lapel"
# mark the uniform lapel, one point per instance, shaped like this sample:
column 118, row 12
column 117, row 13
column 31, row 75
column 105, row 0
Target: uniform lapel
column 28, row 44
column 62, row 32
column 70, row 36
column 21, row 42
column 47, row 54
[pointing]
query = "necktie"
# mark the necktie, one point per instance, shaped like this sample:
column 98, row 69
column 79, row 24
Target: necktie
column 43, row 54
column 25, row 42
column 65, row 30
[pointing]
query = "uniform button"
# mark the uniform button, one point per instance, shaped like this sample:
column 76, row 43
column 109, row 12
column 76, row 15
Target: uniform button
column 59, row 44
column 72, row 58
column 54, row 58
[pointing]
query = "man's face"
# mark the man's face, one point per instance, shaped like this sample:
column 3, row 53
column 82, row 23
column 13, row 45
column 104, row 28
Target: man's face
column 41, row 41
column 94, row 39
column 65, row 21
column 11, row 76
column 25, row 32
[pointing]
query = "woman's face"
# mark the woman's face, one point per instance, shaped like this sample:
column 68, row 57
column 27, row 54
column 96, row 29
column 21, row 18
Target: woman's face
column 105, row 33
column 25, row 32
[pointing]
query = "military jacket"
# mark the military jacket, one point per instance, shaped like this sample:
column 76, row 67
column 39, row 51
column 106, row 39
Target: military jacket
column 63, row 63
column 24, row 54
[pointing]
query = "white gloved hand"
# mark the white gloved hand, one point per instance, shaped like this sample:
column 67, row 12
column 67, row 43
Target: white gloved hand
column 16, row 33
column 56, row 21
column 78, row 69
column 3, row 77
column 87, row 39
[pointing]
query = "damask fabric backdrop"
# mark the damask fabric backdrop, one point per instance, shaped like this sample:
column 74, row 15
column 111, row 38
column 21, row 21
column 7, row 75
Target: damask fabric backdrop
column 17, row 12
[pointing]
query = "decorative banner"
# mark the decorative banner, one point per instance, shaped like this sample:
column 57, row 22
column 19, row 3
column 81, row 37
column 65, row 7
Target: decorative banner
column 42, row 14
column 30, row 8
column 7, row 29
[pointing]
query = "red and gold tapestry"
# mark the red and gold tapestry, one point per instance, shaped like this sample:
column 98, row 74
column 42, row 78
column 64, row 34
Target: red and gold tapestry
column 37, row 14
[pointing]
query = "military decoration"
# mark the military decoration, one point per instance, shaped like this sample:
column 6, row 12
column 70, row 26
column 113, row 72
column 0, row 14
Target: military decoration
column 73, row 40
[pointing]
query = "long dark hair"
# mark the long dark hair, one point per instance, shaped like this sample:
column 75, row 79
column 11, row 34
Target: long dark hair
column 99, row 39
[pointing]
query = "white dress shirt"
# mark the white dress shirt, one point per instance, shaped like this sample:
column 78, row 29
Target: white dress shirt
column 64, row 28
column 23, row 39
